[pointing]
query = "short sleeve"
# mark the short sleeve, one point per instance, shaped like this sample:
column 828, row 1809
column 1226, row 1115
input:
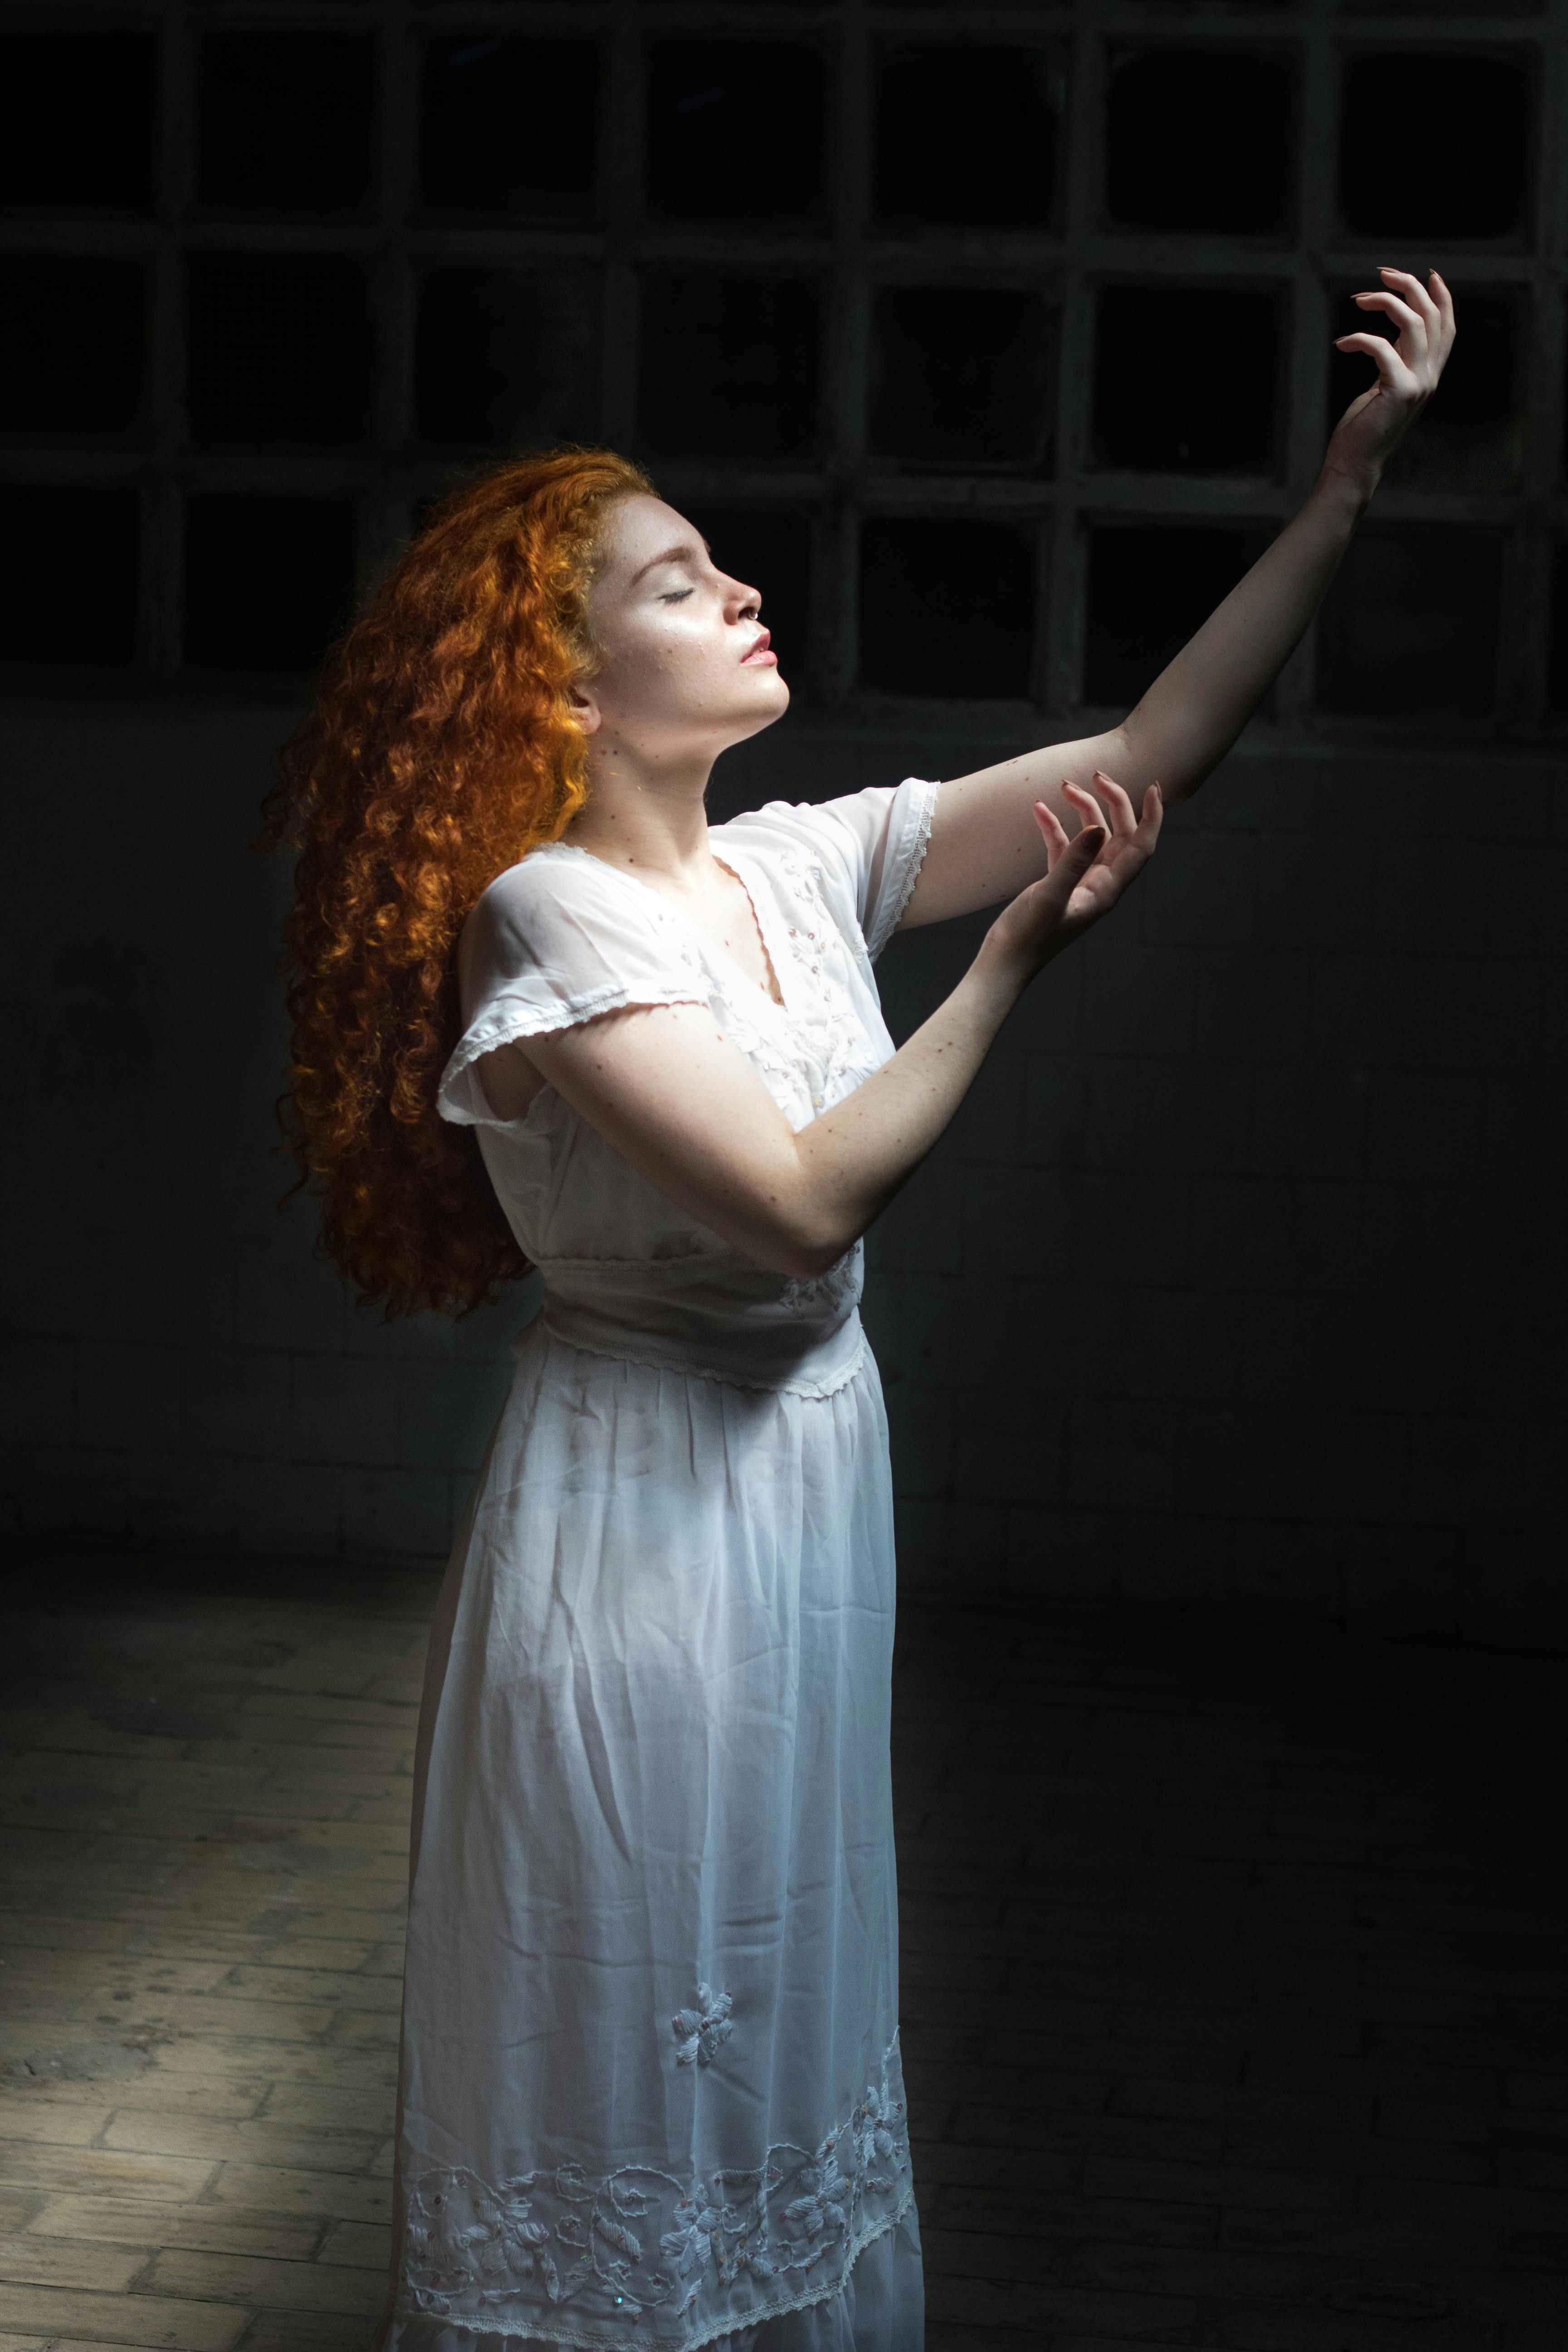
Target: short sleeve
column 553, row 941
column 873, row 843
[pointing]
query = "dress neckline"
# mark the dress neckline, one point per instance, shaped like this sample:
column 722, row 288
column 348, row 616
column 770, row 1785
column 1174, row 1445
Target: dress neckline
column 733, row 864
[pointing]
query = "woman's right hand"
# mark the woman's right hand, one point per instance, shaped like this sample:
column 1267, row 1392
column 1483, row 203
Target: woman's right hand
column 1085, row 877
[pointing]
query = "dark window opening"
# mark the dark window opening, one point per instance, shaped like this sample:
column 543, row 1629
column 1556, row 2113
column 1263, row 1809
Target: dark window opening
column 962, row 376
column 54, row 539
column 1441, row 7
column 269, row 581
column 76, row 335
column 79, row 121
column 1150, row 586
column 729, row 366
column 967, row 136
column 1200, row 139
column 507, row 358
column 771, row 553
column 1409, row 629
column 284, row 120
column 1459, row 166
column 279, row 347
column 1557, row 633
column 735, row 130
column 947, row 606
column 1469, row 436
column 511, row 127
column 1211, row 405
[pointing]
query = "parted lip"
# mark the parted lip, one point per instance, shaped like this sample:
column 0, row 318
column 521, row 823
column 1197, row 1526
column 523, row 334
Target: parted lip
column 759, row 645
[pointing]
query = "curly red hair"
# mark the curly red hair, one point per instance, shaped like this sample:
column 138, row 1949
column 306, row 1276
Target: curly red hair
column 441, row 747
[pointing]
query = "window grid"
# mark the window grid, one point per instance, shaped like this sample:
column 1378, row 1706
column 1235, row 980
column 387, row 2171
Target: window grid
column 388, row 476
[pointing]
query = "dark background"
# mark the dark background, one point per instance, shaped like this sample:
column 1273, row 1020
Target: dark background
column 992, row 344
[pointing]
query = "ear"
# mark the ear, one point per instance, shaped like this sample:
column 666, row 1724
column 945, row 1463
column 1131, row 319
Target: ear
column 585, row 711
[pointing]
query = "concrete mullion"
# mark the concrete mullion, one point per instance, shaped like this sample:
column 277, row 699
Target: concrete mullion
column 162, row 582
column 1058, row 653
column 1524, row 652
column 624, row 138
column 834, row 655
column 393, row 291
column 1317, row 156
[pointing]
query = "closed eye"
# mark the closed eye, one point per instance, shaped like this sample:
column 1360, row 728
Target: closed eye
column 676, row 596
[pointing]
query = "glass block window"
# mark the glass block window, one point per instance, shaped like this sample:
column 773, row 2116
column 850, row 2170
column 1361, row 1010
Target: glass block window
column 509, row 126
column 76, row 345
column 268, row 581
column 989, row 344
column 285, row 121
column 277, row 348
column 1200, row 138
column 966, row 135
column 505, row 359
column 1413, row 624
column 947, row 605
column 729, row 366
column 1150, row 585
column 964, row 377
column 736, row 130
column 53, row 532
column 78, row 120
column 1211, row 404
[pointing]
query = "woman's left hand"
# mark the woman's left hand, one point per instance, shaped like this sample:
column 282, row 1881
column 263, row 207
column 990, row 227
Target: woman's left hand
column 1407, row 372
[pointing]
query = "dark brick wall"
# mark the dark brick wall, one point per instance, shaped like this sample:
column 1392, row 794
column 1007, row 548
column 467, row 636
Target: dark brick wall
column 1237, row 1280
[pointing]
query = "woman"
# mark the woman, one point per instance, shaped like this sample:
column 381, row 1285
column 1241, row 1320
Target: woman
column 650, row 2090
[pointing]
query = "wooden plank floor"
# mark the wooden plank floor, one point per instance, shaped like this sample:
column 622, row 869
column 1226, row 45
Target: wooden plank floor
column 1234, row 1964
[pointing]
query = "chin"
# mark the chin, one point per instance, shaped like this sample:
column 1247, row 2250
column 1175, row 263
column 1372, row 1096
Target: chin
column 762, row 710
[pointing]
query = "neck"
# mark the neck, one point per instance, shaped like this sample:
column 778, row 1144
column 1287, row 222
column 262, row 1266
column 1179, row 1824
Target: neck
column 647, row 814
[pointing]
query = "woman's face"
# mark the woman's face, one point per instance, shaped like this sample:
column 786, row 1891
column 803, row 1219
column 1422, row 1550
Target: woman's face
column 684, row 664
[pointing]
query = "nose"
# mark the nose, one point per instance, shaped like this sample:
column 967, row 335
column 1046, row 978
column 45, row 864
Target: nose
column 740, row 603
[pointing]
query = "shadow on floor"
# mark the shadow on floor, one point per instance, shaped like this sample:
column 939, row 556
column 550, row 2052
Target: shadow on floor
column 1234, row 1963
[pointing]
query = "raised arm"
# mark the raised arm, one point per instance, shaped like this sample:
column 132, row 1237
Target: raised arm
column 684, row 1106
column 984, row 844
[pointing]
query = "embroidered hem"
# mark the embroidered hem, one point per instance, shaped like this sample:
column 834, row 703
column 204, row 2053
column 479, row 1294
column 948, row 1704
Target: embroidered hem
column 599, row 2260
column 544, row 2333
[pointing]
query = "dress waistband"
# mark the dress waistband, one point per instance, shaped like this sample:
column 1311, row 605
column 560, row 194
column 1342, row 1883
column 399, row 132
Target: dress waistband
column 715, row 1313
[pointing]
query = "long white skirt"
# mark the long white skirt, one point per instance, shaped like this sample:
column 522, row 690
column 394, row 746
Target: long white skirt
column 650, row 2084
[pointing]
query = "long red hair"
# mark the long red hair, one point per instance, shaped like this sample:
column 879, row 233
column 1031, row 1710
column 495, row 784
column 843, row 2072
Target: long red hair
column 439, row 748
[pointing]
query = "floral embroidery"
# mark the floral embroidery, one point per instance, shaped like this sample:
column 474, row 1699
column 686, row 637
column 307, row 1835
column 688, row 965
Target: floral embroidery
column 699, row 2031
column 592, row 2255
column 838, row 1287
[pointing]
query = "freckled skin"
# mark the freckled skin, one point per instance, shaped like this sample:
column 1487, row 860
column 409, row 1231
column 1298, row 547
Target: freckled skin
column 682, row 676
column 671, row 691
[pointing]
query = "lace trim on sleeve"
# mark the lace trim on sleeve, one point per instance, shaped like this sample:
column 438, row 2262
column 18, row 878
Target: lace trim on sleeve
column 906, row 872
column 460, row 1094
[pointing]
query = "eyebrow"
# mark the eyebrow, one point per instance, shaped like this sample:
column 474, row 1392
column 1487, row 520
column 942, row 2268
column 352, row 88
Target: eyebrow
column 671, row 555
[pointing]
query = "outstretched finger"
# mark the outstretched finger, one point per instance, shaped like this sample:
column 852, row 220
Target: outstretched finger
column 1416, row 294
column 1083, row 800
column 1392, row 373
column 1407, row 320
column 1051, row 826
column 1123, row 824
column 1153, row 815
column 1445, row 302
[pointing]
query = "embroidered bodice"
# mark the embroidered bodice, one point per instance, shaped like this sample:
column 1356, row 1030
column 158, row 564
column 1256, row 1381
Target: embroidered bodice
column 563, row 936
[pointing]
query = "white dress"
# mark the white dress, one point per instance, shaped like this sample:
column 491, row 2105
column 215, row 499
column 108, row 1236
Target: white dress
column 650, row 2089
